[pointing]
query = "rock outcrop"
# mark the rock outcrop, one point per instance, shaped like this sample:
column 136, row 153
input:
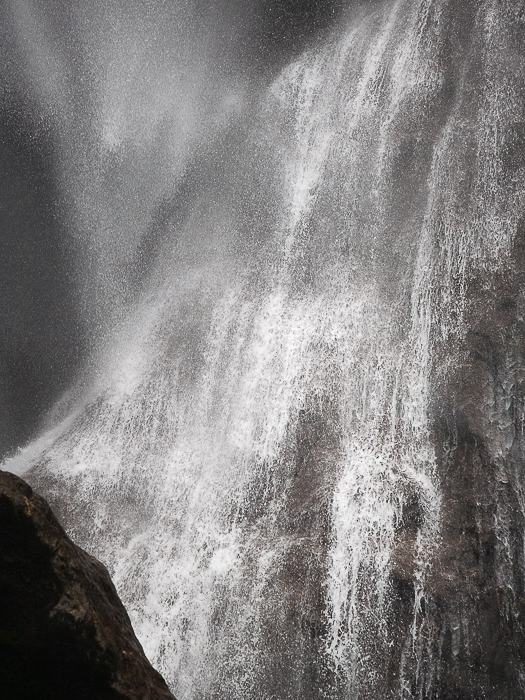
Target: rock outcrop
column 64, row 633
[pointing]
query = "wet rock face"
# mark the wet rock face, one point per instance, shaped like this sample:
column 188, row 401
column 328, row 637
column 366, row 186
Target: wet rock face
column 478, row 589
column 474, row 611
column 64, row 633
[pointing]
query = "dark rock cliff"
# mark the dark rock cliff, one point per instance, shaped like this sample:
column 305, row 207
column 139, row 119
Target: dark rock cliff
column 64, row 632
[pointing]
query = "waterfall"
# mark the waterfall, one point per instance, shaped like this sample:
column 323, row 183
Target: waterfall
column 271, row 452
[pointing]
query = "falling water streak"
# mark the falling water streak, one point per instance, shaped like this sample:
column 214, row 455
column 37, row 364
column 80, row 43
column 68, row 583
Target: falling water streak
column 178, row 472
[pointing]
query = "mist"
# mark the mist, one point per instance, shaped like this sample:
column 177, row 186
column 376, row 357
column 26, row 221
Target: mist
column 264, row 331
column 109, row 111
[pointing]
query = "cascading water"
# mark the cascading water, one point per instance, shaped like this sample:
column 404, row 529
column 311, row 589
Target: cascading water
column 273, row 459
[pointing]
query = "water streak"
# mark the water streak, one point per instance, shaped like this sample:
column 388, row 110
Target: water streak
column 257, row 464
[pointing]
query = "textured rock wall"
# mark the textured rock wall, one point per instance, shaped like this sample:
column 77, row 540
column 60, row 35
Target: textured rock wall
column 64, row 633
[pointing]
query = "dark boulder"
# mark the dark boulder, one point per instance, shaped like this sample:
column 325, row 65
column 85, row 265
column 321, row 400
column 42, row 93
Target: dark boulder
column 64, row 632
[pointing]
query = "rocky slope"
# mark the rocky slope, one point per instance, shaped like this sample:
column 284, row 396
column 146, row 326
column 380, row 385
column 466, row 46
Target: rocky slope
column 63, row 631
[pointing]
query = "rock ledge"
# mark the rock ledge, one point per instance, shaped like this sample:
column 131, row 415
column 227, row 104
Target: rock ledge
column 64, row 632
